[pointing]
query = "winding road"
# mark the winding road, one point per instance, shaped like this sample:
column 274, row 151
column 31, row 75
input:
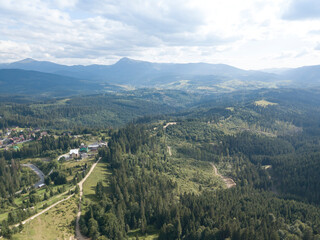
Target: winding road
column 169, row 151
column 79, row 236
column 168, row 124
column 228, row 181
column 45, row 210
column 38, row 172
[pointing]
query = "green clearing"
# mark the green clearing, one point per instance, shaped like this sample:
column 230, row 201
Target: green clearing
column 152, row 233
column 57, row 223
column 193, row 176
column 100, row 173
column 18, row 201
column 4, row 216
column 74, row 163
column 41, row 192
column 264, row 103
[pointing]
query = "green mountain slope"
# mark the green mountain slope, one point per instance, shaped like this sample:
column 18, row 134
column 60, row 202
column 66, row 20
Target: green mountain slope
column 15, row 81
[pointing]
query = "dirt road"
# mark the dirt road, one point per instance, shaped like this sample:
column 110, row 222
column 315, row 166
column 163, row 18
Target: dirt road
column 79, row 236
column 66, row 156
column 168, row 124
column 228, row 181
column 78, row 233
column 169, row 151
column 38, row 172
column 44, row 210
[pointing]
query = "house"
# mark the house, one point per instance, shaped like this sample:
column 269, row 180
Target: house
column 16, row 148
column 43, row 134
column 83, row 148
column 68, row 133
column 93, row 147
column 74, row 153
column 41, row 185
column 103, row 144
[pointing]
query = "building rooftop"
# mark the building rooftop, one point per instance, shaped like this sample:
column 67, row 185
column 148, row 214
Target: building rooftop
column 74, row 151
column 93, row 146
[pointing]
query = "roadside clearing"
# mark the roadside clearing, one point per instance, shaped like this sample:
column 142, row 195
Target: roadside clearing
column 38, row 172
column 228, row 181
column 79, row 236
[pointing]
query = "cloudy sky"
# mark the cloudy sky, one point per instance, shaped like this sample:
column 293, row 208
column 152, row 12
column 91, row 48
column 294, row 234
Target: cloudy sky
column 251, row 34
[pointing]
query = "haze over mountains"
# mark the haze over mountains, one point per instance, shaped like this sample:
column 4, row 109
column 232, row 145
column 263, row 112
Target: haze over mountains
column 41, row 77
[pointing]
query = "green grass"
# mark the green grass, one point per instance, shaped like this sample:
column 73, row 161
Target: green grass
column 73, row 163
column 193, row 176
column 4, row 216
column 40, row 205
column 152, row 233
column 18, row 201
column 29, row 160
column 264, row 103
column 100, row 173
column 57, row 223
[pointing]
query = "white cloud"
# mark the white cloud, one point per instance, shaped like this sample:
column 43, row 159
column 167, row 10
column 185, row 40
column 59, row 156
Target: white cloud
column 302, row 9
column 247, row 33
column 64, row 4
column 9, row 50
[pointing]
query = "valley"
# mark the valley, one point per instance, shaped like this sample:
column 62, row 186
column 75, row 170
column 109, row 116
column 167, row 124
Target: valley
column 47, row 79
column 151, row 169
column 160, row 120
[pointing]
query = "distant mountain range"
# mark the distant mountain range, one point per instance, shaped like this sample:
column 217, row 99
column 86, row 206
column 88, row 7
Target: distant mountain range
column 25, row 82
column 31, row 76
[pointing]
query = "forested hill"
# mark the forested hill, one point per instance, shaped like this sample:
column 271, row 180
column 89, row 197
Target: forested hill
column 170, row 157
column 148, row 187
column 116, row 109
column 23, row 82
column 135, row 72
column 103, row 110
column 129, row 73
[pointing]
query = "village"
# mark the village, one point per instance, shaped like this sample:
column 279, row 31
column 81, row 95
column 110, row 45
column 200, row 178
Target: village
column 15, row 137
column 83, row 151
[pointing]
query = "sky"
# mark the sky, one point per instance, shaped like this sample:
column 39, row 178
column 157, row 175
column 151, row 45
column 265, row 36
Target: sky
column 249, row 34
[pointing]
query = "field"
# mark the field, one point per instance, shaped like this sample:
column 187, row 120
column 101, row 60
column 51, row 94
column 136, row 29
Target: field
column 264, row 103
column 100, row 173
column 152, row 234
column 190, row 174
column 193, row 176
column 59, row 191
column 57, row 223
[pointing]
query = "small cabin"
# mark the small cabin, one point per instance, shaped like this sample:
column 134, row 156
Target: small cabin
column 93, row 147
column 83, row 148
column 74, row 153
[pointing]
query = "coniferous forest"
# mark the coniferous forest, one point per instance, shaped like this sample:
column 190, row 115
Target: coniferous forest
column 217, row 167
column 160, row 120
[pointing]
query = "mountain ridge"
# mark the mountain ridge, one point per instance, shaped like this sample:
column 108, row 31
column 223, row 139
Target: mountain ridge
column 28, row 82
column 183, row 76
column 142, row 73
